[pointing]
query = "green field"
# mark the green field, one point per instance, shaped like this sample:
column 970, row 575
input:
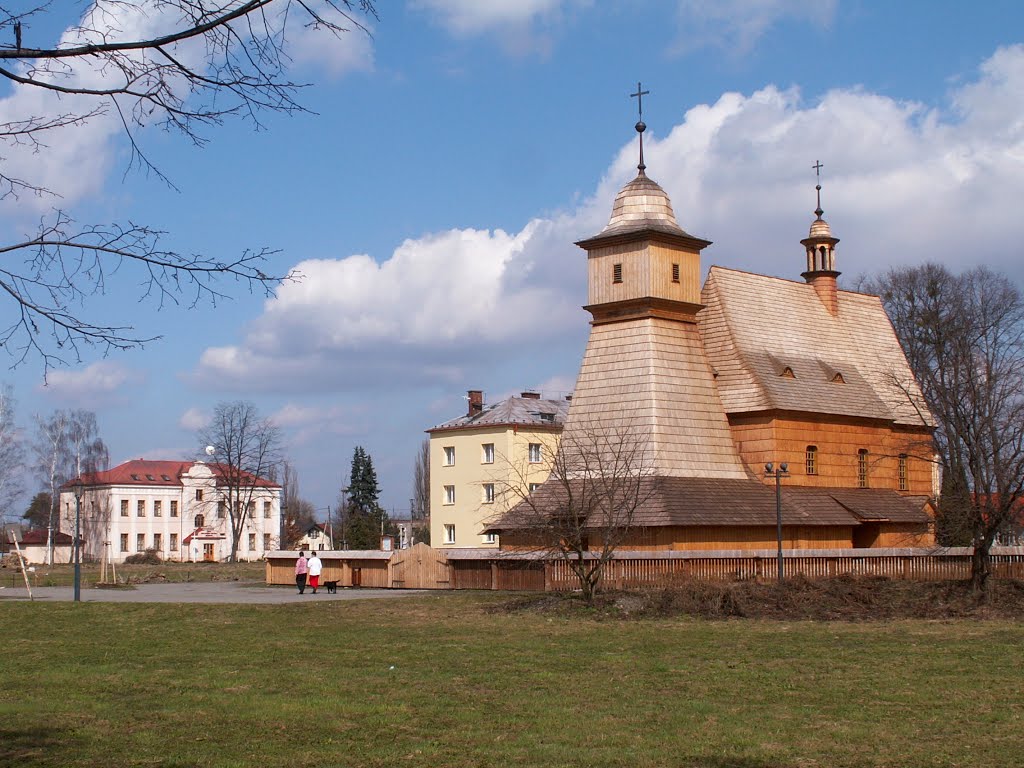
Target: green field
column 63, row 575
column 438, row 680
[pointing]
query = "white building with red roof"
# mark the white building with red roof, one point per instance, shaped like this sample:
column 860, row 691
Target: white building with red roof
column 173, row 508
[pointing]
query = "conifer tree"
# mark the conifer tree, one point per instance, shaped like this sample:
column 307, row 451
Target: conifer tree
column 364, row 518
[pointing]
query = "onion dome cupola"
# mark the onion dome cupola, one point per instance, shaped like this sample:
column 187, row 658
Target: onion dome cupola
column 820, row 248
column 643, row 262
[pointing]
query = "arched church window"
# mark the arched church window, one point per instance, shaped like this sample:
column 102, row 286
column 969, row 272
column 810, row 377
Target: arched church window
column 901, row 472
column 200, row 521
column 811, row 461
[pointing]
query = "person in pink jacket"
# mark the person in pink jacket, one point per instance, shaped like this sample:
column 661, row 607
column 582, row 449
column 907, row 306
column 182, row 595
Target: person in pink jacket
column 301, row 569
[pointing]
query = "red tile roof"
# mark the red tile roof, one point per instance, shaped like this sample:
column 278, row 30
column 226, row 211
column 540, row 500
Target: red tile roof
column 153, row 473
column 37, row 538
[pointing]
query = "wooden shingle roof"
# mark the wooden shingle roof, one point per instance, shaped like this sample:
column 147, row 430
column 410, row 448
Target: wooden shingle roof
column 697, row 501
column 774, row 345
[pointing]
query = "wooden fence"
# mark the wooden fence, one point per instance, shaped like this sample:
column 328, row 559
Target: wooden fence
column 655, row 571
column 421, row 567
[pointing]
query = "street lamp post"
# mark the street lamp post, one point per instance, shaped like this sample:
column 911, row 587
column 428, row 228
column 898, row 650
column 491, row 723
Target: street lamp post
column 778, row 473
column 77, row 490
column 344, row 518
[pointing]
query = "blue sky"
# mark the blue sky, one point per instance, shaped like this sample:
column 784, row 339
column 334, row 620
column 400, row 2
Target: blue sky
column 456, row 155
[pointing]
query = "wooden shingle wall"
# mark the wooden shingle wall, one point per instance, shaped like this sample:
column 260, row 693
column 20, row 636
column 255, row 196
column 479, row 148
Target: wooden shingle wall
column 762, row 438
column 651, row 375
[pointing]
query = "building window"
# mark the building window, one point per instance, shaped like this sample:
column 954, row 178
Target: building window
column 490, row 538
column 812, row 460
column 449, row 533
column 199, row 521
column 449, row 494
column 862, row 468
column 174, row 509
column 266, row 541
column 488, row 453
column 199, row 494
column 535, row 453
column 449, row 455
column 140, row 543
column 221, row 509
column 266, row 510
column 534, row 487
column 901, row 472
column 252, row 542
column 174, row 543
column 158, row 541
column 141, row 508
column 488, row 493
column 675, row 273
column 158, row 508
column 124, row 542
column 124, row 507
column 616, row 273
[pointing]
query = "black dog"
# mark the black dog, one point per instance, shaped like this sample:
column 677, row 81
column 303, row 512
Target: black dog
column 332, row 587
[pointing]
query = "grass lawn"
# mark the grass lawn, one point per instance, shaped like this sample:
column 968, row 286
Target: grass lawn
column 436, row 680
column 63, row 575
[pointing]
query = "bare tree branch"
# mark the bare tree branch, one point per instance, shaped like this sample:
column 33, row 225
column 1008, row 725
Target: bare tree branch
column 600, row 478
column 209, row 60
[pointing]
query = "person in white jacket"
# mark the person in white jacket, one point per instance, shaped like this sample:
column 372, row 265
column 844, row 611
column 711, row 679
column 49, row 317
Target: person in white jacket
column 315, row 566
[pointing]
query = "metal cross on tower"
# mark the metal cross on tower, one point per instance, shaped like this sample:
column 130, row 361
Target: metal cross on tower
column 640, row 126
column 817, row 172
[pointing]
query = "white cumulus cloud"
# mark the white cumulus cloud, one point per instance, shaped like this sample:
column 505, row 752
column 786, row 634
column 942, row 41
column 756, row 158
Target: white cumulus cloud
column 100, row 383
column 193, row 419
column 439, row 301
column 737, row 25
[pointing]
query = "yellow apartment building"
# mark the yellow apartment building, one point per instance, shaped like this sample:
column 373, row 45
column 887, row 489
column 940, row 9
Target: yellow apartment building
column 483, row 461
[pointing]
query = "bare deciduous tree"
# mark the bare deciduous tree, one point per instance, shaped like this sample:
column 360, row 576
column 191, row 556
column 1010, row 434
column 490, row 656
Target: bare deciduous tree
column 181, row 65
column 51, row 461
column 964, row 339
column 246, row 449
column 11, row 453
column 420, row 511
column 598, row 481
column 86, row 450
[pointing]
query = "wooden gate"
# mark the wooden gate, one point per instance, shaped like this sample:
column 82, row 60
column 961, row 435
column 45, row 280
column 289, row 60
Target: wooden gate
column 420, row 567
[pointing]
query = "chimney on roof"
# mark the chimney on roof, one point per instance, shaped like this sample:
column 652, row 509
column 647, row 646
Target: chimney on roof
column 530, row 395
column 476, row 402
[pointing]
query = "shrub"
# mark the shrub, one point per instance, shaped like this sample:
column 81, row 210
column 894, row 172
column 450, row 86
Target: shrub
column 149, row 557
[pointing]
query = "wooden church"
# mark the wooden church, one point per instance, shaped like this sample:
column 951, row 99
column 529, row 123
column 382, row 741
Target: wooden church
column 747, row 370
